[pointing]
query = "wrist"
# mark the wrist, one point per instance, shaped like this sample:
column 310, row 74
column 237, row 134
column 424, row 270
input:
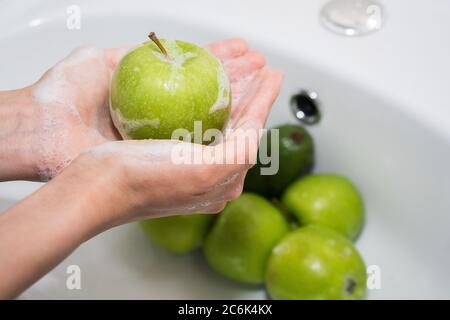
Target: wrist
column 17, row 125
column 95, row 191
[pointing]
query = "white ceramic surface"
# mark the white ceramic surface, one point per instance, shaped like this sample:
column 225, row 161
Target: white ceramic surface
column 386, row 125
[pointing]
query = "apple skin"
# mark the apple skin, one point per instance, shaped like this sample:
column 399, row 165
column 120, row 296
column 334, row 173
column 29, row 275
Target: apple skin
column 241, row 239
column 315, row 263
column 153, row 95
column 328, row 200
column 178, row 234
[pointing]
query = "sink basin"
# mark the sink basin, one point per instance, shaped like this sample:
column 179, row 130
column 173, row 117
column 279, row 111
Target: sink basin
column 379, row 138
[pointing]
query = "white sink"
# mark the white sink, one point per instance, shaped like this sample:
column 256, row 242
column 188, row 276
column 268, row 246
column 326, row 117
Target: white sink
column 386, row 125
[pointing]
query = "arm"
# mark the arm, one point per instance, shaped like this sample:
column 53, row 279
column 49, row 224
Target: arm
column 114, row 184
column 123, row 181
column 17, row 122
column 46, row 125
column 40, row 231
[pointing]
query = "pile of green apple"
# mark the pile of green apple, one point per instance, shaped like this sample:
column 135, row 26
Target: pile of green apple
column 291, row 231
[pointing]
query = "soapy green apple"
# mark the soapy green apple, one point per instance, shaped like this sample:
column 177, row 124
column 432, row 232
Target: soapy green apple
column 178, row 234
column 164, row 85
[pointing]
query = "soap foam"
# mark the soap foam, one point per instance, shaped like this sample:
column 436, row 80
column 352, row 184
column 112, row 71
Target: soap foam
column 177, row 58
column 240, row 88
column 81, row 55
column 56, row 111
column 126, row 126
column 138, row 149
column 51, row 137
column 223, row 90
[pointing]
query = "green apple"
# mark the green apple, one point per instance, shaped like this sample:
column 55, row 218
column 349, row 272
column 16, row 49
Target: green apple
column 295, row 155
column 242, row 238
column 164, row 85
column 178, row 234
column 315, row 262
column 326, row 199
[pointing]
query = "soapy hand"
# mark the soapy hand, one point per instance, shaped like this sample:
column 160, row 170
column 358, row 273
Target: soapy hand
column 72, row 100
column 153, row 185
column 64, row 118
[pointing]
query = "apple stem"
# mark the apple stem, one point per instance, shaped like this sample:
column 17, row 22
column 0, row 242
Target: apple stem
column 155, row 39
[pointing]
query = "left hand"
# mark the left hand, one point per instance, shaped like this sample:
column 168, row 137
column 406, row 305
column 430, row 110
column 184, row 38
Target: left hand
column 71, row 100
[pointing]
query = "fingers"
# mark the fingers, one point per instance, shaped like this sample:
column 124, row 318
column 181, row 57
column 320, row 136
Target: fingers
column 243, row 92
column 232, row 190
column 244, row 65
column 228, row 49
column 241, row 146
column 215, row 208
column 259, row 105
column 226, row 190
column 114, row 55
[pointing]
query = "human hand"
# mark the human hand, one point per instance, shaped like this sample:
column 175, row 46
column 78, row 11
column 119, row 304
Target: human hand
column 151, row 184
column 118, row 181
column 71, row 101
column 71, row 107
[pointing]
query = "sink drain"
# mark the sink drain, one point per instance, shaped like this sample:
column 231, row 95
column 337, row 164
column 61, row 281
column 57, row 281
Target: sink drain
column 304, row 106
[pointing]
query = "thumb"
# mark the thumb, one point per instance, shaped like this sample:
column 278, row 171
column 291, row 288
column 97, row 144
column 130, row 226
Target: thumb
column 114, row 55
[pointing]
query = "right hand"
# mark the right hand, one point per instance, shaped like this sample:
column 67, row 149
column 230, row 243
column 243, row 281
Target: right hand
column 152, row 185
